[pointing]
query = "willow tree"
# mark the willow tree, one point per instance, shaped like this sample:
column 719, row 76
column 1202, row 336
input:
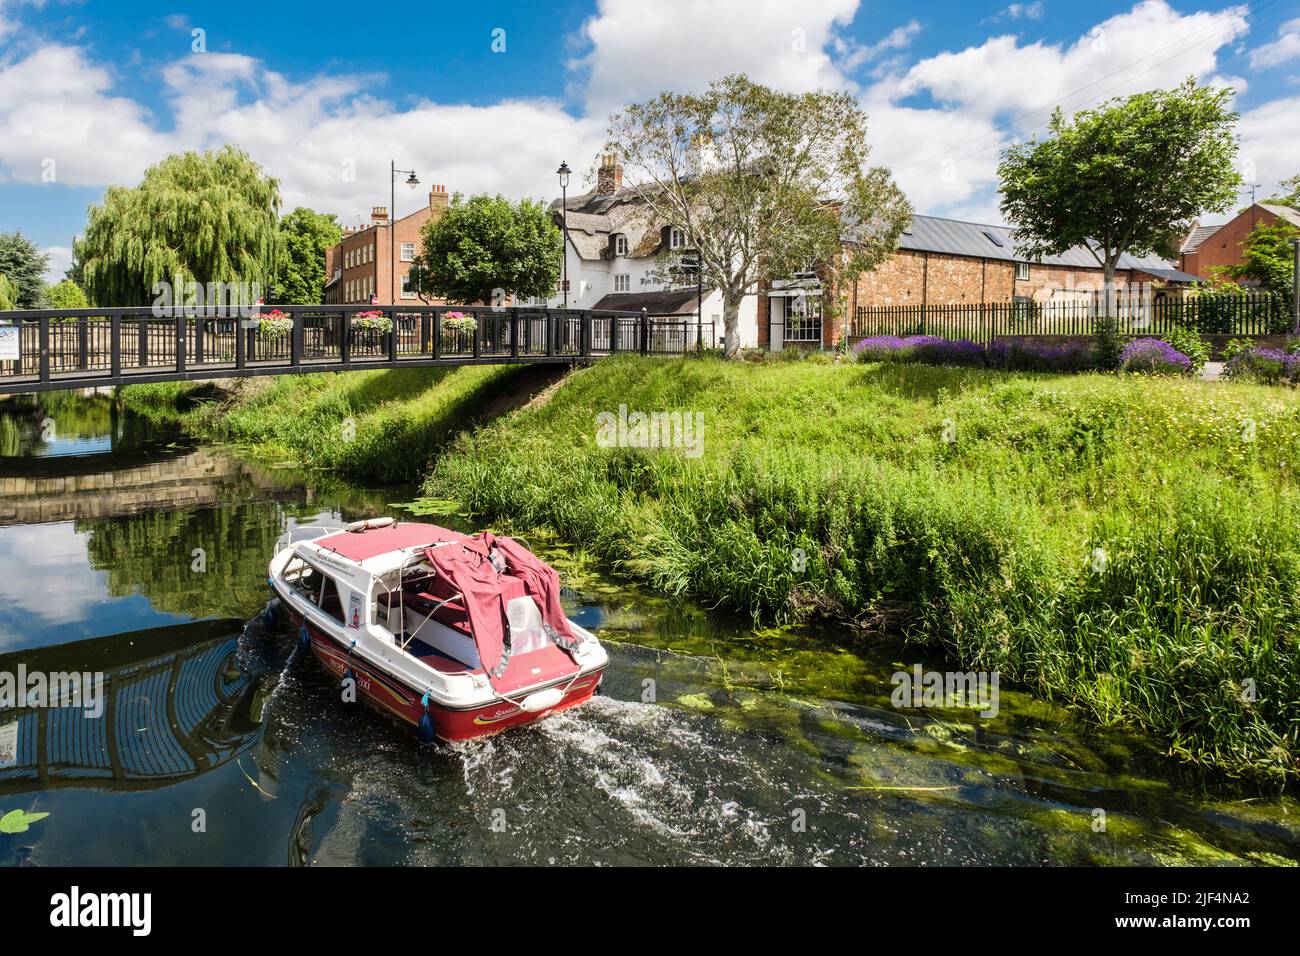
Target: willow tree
column 1128, row 176
column 195, row 218
column 762, row 184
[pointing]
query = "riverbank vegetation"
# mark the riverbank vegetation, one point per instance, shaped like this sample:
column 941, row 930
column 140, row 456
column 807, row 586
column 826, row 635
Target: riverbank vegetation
column 1123, row 543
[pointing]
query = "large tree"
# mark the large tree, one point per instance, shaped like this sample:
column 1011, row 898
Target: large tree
column 24, row 265
column 485, row 247
column 763, row 184
column 1128, row 176
column 304, row 236
column 195, row 217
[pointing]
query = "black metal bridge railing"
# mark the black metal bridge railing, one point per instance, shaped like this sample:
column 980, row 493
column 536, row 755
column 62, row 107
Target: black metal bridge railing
column 49, row 349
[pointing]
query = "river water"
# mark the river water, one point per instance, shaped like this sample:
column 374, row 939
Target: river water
column 130, row 550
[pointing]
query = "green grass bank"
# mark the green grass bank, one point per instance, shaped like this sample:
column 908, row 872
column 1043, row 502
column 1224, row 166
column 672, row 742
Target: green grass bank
column 380, row 426
column 1128, row 545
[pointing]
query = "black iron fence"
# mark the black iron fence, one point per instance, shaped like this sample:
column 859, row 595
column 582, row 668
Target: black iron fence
column 65, row 348
column 1256, row 313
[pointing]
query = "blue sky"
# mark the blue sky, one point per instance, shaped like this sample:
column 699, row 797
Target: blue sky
column 491, row 96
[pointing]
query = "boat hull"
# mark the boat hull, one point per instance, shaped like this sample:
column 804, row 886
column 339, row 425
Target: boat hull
column 450, row 724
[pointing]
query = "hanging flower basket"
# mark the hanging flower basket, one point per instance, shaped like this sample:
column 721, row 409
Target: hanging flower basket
column 274, row 325
column 372, row 321
column 457, row 327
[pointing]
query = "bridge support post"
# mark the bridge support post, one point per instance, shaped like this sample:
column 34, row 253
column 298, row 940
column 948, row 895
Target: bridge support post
column 180, row 343
column 295, row 339
column 584, row 334
column 551, row 325
column 478, row 334
column 43, row 330
column 425, row 345
column 645, row 331
column 115, row 346
column 514, row 332
column 345, row 337
column 83, row 343
column 241, row 330
column 392, row 336
column 435, row 343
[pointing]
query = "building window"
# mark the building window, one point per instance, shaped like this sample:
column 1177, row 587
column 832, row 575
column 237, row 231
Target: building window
column 622, row 282
column 370, row 252
column 803, row 318
column 1022, row 271
column 406, row 288
column 620, row 245
column 408, row 251
column 676, row 239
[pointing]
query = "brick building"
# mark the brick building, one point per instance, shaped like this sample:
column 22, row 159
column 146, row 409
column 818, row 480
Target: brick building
column 951, row 262
column 1207, row 248
column 364, row 265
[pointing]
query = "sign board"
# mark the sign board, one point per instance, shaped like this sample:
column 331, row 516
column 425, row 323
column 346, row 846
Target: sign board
column 9, row 745
column 9, row 347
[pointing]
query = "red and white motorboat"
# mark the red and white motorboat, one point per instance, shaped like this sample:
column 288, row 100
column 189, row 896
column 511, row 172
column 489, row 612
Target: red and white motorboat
column 460, row 635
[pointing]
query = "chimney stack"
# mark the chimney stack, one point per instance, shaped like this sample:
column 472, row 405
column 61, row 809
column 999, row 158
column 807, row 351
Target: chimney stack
column 609, row 178
column 438, row 199
column 379, row 215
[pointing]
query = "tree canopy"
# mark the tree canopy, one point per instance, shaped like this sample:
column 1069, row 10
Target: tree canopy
column 304, row 236
column 65, row 294
column 197, row 217
column 1128, row 176
column 23, row 264
column 763, row 184
column 488, row 245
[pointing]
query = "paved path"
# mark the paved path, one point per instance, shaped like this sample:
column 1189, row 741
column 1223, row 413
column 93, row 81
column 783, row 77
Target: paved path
column 1212, row 371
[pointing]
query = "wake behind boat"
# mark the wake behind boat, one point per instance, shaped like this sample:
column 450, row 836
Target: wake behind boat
column 460, row 635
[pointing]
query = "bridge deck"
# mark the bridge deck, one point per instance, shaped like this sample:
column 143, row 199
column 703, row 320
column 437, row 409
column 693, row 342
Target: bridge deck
column 82, row 348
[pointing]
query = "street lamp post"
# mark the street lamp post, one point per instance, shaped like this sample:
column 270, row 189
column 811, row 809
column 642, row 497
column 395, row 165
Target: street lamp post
column 563, row 172
column 392, row 224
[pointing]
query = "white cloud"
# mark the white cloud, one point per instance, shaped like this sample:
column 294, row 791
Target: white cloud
column 639, row 48
column 1030, row 11
column 1268, row 143
column 1282, row 50
column 60, row 257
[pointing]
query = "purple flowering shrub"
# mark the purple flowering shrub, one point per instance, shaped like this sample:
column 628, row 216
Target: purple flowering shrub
column 1266, row 366
column 1154, row 356
column 1037, row 357
column 930, row 349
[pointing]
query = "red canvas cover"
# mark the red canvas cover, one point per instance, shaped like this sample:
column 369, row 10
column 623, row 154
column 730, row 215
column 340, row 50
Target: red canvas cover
column 466, row 568
column 372, row 542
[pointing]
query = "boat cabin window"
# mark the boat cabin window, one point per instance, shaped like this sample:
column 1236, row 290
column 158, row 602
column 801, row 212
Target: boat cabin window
column 303, row 578
column 329, row 600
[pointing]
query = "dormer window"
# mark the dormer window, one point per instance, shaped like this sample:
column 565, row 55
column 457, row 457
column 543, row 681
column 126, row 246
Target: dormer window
column 620, row 245
column 676, row 238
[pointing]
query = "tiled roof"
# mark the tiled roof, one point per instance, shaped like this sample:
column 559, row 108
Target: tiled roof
column 667, row 302
column 1198, row 236
column 1283, row 212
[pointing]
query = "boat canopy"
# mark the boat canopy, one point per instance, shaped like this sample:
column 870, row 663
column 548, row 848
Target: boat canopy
column 489, row 572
